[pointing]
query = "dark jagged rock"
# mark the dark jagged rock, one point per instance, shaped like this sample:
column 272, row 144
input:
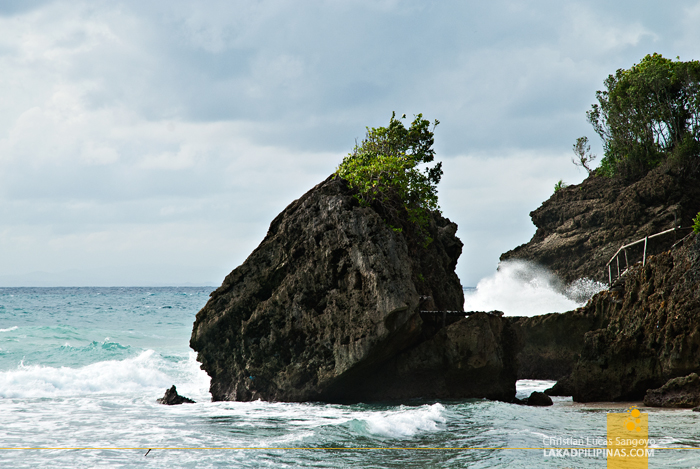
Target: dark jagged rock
column 563, row 387
column 549, row 345
column 539, row 399
column 650, row 329
column 328, row 307
column 171, row 397
column 470, row 358
column 581, row 226
column 645, row 329
column 683, row 392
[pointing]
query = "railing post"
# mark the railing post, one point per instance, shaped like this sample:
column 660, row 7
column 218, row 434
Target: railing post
column 644, row 259
column 616, row 256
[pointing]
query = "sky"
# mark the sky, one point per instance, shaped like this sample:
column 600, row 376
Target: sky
column 151, row 143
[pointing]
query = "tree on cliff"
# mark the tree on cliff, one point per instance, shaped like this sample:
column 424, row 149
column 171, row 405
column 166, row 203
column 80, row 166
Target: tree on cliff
column 384, row 167
column 647, row 114
column 583, row 158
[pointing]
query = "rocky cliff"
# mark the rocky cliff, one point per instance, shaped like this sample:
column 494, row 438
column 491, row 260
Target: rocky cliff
column 650, row 329
column 581, row 226
column 328, row 306
column 548, row 346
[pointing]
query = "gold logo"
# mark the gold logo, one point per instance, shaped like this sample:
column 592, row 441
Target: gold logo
column 633, row 423
column 628, row 440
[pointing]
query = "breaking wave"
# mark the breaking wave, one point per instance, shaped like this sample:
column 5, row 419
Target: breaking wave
column 403, row 422
column 520, row 288
column 147, row 372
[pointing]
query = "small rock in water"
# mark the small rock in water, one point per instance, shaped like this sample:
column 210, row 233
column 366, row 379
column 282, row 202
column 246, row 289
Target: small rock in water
column 171, row 397
column 539, row 399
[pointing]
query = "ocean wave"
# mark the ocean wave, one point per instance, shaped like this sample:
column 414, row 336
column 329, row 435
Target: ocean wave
column 525, row 387
column 404, row 421
column 13, row 328
column 521, row 288
column 106, row 345
column 147, row 372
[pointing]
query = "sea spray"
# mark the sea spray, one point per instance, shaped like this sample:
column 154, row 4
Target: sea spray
column 520, row 288
column 583, row 289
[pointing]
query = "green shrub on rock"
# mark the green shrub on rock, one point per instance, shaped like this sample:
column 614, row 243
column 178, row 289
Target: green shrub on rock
column 696, row 223
column 384, row 167
column 647, row 114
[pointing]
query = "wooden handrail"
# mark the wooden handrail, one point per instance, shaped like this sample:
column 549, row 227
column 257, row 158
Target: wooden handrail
column 645, row 240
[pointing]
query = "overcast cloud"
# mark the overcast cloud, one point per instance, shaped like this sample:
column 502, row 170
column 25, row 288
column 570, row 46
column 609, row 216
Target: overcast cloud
column 151, row 143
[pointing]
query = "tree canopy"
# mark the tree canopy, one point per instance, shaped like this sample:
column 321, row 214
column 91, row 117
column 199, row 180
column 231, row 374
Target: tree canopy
column 385, row 167
column 647, row 114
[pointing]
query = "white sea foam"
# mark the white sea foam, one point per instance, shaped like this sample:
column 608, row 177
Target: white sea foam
column 191, row 380
column 9, row 329
column 521, row 288
column 146, row 373
column 525, row 387
column 583, row 289
column 406, row 421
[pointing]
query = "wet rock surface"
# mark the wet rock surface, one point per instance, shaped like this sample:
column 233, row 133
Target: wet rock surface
column 328, row 306
column 581, row 226
column 539, row 399
column 682, row 392
column 171, row 397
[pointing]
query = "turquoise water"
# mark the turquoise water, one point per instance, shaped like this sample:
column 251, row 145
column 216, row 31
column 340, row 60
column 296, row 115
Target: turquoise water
column 81, row 368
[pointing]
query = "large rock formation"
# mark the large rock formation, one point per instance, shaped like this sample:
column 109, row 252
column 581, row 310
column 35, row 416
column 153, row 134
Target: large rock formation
column 550, row 345
column 473, row 357
column 582, row 226
column 328, row 308
column 645, row 329
column 650, row 329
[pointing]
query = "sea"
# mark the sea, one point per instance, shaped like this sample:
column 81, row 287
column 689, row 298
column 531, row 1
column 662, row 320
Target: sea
column 81, row 369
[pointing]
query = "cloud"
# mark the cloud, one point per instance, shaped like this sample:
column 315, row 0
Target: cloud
column 584, row 30
column 493, row 212
column 690, row 35
column 130, row 129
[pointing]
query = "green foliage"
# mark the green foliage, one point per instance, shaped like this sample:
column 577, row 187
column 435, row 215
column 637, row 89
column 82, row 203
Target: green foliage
column 384, row 167
column 583, row 158
column 559, row 186
column 647, row 114
column 696, row 223
column 394, row 228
